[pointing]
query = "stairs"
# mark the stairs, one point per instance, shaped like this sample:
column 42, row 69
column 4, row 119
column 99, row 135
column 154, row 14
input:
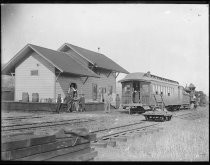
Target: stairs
column 159, row 101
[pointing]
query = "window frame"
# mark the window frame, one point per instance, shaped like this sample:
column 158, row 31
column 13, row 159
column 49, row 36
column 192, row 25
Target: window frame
column 32, row 73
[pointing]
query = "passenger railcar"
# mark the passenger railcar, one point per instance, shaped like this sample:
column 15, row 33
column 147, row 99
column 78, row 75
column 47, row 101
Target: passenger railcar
column 144, row 90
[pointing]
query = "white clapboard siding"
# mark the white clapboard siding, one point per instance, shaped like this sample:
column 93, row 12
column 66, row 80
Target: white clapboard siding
column 44, row 83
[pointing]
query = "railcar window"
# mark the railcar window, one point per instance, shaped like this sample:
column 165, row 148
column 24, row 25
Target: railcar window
column 161, row 89
column 168, row 94
column 158, row 88
column 164, row 90
column 145, row 88
column 127, row 88
column 153, row 88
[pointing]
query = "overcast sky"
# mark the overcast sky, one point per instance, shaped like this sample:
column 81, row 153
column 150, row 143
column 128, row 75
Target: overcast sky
column 168, row 40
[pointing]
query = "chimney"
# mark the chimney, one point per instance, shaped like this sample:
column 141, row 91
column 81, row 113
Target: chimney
column 98, row 49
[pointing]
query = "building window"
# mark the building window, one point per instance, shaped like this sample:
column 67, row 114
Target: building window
column 110, row 89
column 34, row 72
column 94, row 92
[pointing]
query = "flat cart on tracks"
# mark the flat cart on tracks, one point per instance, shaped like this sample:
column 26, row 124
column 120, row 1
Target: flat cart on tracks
column 157, row 116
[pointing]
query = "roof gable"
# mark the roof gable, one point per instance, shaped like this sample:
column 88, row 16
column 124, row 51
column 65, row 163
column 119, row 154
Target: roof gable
column 97, row 59
column 60, row 60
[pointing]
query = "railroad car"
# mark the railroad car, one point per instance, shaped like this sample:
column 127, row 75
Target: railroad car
column 142, row 91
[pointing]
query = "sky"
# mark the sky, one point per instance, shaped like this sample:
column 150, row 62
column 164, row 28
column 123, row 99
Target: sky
column 169, row 40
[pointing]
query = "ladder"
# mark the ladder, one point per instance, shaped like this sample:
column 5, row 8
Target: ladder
column 160, row 103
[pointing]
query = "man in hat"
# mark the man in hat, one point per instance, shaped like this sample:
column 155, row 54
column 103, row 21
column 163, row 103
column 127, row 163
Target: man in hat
column 82, row 103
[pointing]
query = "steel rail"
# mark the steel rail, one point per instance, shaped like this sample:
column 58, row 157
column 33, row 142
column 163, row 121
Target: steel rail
column 14, row 125
column 39, row 126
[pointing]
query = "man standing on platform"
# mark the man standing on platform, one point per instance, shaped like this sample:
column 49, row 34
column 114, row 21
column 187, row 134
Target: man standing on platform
column 107, row 102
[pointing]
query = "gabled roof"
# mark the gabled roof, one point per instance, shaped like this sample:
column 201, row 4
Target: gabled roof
column 60, row 60
column 97, row 59
column 146, row 77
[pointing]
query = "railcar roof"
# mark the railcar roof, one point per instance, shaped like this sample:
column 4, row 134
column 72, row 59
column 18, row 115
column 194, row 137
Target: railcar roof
column 146, row 77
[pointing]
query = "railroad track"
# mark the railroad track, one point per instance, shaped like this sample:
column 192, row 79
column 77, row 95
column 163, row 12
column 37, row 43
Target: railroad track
column 129, row 132
column 27, row 126
column 19, row 118
column 124, row 135
column 139, row 130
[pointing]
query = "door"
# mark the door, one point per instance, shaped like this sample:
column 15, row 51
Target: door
column 144, row 92
column 136, row 92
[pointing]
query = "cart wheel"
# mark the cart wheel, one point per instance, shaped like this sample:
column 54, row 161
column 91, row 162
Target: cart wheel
column 162, row 118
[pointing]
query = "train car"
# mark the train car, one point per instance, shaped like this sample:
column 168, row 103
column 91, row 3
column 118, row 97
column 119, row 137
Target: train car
column 142, row 91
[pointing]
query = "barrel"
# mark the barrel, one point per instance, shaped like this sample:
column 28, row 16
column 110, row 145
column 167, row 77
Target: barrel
column 25, row 97
column 35, row 97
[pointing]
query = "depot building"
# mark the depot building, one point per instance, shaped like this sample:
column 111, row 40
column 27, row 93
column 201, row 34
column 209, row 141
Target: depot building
column 50, row 72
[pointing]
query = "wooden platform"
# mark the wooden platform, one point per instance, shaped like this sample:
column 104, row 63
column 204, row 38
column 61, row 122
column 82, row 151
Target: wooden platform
column 8, row 106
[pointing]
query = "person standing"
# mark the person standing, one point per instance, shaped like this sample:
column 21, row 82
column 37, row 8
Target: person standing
column 107, row 102
column 82, row 103
column 70, row 97
column 117, row 99
column 58, row 107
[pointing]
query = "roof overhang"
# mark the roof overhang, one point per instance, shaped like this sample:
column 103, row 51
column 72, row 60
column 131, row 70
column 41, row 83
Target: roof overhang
column 127, row 80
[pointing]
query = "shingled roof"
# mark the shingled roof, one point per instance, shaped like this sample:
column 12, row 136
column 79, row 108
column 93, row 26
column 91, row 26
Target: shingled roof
column 60, row 60
column 97, row 59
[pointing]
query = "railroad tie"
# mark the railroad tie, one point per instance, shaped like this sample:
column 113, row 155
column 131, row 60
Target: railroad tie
column 120, row 138
column 100, row 144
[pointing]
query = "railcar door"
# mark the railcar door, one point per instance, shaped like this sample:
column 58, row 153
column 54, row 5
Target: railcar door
column 145, row 92
column 136, row 91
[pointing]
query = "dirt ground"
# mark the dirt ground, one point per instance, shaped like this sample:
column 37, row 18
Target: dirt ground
column 181, row 140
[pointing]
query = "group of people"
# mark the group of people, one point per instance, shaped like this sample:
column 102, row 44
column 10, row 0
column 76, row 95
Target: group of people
column 73, row 102
column 78, row 104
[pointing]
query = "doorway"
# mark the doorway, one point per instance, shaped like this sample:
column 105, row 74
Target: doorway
column 136, row 92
